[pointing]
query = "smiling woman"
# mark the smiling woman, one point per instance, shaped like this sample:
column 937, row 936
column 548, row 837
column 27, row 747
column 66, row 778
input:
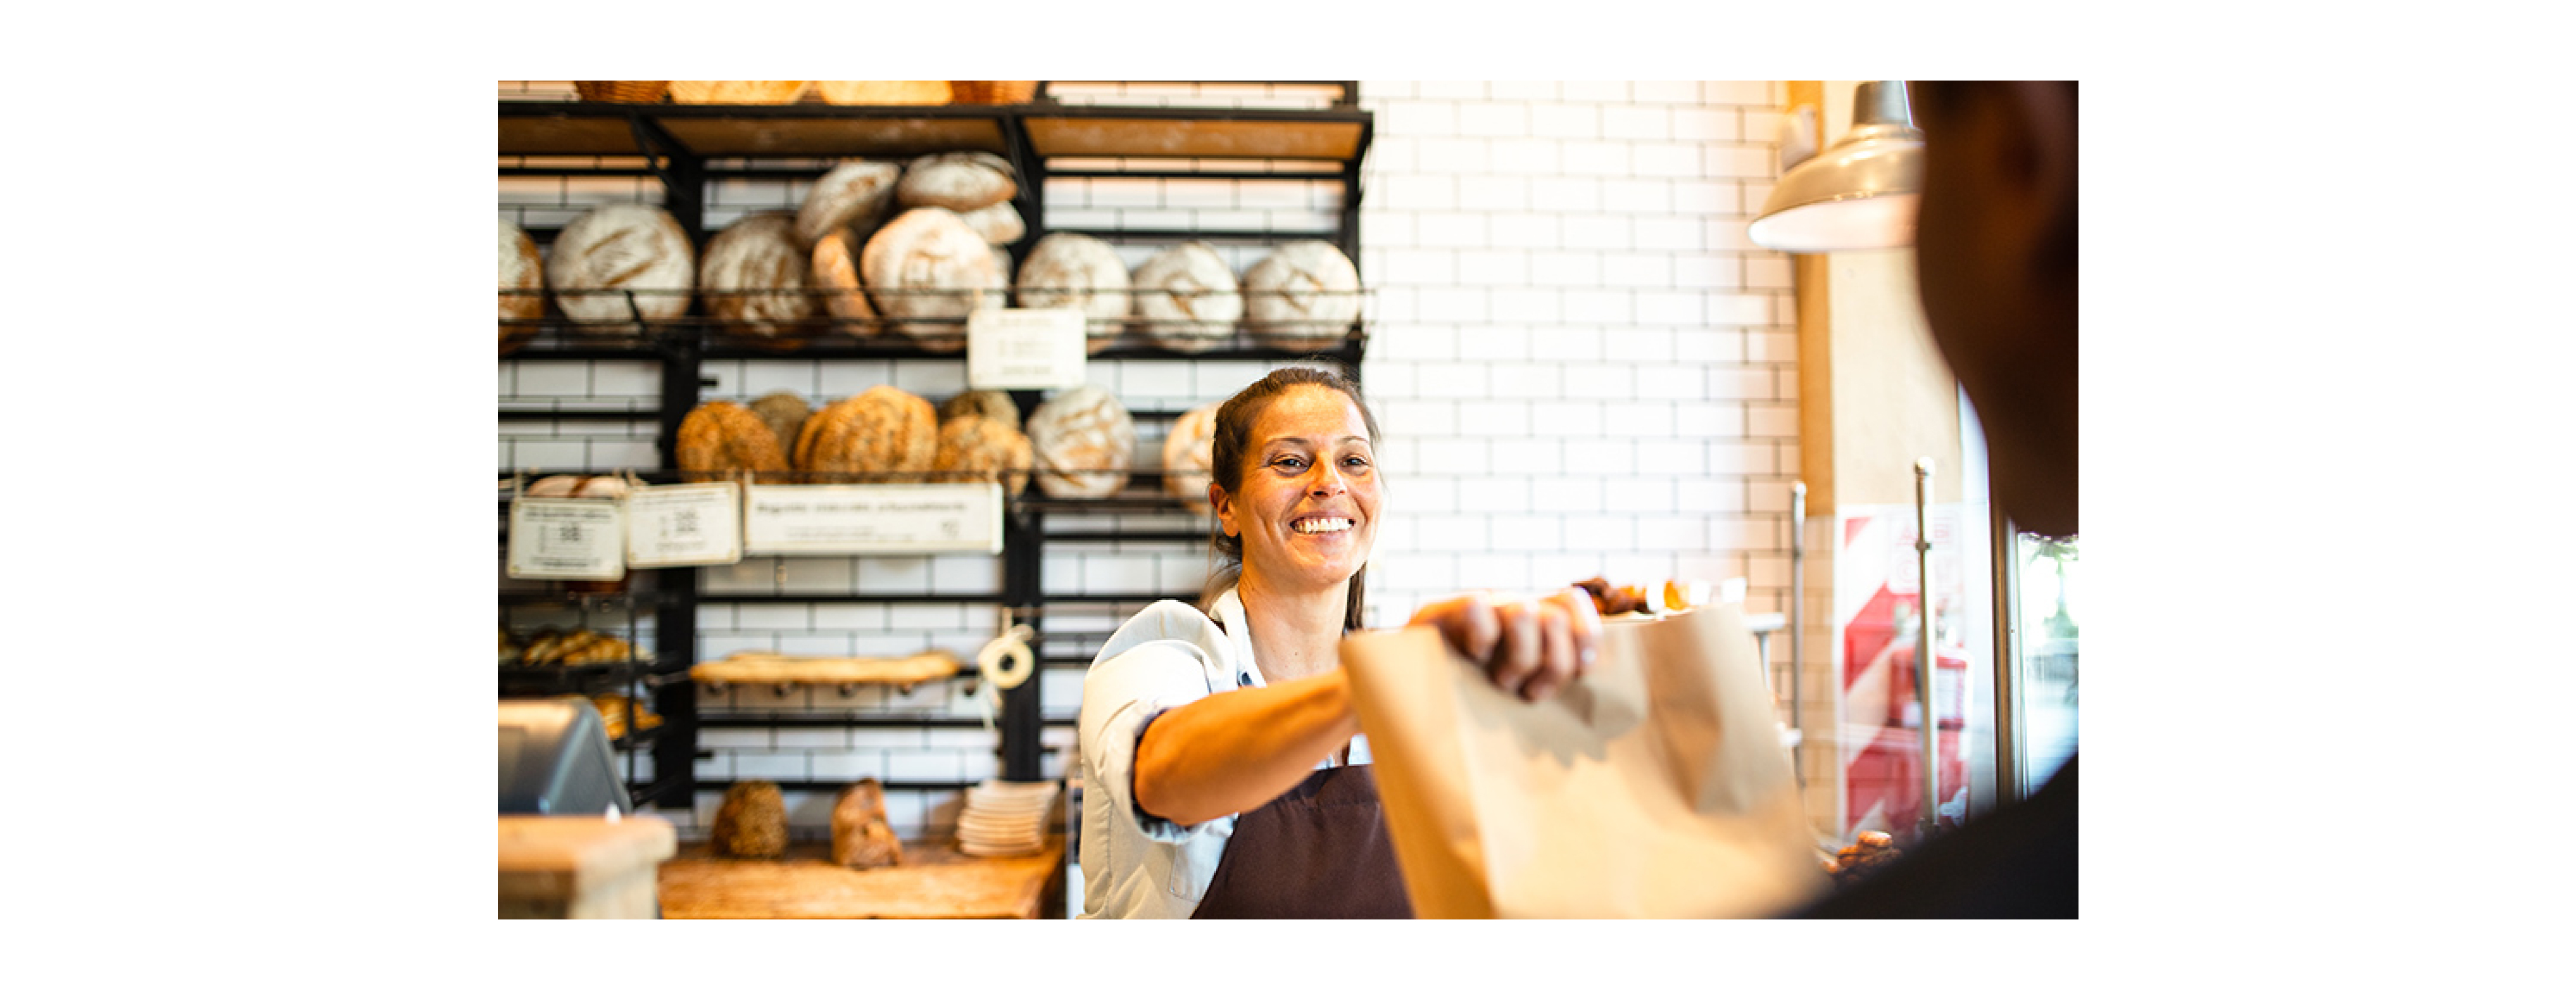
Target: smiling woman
column 1224, row 770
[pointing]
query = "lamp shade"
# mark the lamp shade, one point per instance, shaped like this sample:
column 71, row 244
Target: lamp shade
column 1861, row 194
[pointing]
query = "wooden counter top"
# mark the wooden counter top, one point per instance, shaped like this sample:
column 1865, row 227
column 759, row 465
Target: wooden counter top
column 935, row 881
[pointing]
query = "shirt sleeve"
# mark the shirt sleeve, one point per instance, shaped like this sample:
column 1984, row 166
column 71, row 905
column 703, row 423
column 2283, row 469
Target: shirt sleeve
column 1120, row 697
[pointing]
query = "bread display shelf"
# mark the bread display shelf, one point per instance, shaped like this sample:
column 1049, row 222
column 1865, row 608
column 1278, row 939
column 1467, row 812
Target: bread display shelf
column 546, row 128
column 774, row 668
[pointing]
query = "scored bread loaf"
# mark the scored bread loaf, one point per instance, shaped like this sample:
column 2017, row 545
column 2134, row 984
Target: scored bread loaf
column 1083, row 442
column 882, row 435
column 835, row 279
column 1302, row 297
column 737, row 91
column 979, row 449
column 992, row 403
column 927, row 270
column 720, row 438
column 752, row 277
column 998, row 223
column 857, row 194
column 523, row 283
column 959, row 182
column 785, row 413
column 616, row 252
column 1189, row 455
column 1074, row 271
column 1186, row 298
column 751, row 822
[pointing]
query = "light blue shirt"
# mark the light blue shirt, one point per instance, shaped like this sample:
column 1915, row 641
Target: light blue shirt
column 1135, row 864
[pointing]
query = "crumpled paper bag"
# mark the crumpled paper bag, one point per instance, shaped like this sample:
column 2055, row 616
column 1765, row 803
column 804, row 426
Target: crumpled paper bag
column 1654, row 787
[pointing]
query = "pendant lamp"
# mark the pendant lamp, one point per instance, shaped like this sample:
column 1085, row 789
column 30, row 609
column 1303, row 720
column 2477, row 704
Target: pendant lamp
column 1860, row 194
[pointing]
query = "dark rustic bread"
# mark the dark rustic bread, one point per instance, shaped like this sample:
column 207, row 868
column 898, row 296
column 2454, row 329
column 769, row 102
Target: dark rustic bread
column 751, row 822
column 861, row 837
column 980, row 449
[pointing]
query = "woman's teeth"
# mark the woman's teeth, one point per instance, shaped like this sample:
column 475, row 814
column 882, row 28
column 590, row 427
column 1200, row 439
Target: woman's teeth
column 1321, row 525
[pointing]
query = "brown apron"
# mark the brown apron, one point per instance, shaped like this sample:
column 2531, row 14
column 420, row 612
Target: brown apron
column 1321, row 851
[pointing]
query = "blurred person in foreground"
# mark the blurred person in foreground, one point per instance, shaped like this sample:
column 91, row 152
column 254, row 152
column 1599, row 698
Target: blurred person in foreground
column 1996, row 264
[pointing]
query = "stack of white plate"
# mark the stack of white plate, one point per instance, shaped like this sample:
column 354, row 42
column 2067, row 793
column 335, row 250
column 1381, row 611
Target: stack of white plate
column 1005, row 817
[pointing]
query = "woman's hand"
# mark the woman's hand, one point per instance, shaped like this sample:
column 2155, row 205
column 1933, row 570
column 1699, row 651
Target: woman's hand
column 1531, row 648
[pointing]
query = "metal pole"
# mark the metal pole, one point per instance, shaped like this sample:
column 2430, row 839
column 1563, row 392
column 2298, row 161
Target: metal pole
column 1924, row 666
column 2008, row 714
column 1798, row 623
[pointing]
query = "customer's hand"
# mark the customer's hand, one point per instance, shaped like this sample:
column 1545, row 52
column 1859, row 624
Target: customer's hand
column 1531, row 648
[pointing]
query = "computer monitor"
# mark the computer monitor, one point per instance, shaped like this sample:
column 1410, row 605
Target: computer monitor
column 556, row 760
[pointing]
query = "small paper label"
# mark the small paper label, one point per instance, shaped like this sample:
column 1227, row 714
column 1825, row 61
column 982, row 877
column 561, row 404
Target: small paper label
column 699, row 524
column 858, row 520
column 1024, row 349
column 567, row 540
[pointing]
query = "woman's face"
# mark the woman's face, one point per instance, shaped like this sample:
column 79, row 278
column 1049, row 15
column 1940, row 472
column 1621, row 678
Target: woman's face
column 1307, row 512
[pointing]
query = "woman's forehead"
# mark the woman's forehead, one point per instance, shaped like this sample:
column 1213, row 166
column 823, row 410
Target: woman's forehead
column 1310, row 411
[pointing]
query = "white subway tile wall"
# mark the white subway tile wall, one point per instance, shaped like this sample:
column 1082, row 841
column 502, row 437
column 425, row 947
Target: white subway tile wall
column 1579, row 364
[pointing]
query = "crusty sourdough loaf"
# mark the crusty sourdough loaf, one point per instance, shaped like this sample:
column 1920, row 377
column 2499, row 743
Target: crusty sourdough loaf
column 998, row 223
column 1075, row 271
column 752, row 277
column 1186, row 299
column 883, row 435
column 1189, row 452
column 835, row 279
column 992, row 403
column 523, row 284
column 720, row 438
column 959, row 182
column 1302, row 297
column 1083, row 442
column 751, row 822
column 926, row 270
column 980, row 449
column 857, row 194
column 785, row 413
column 737, row 91
column 619, row 249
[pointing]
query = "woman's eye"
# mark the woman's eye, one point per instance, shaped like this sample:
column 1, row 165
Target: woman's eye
column 1355, row 462
column 1290, row 462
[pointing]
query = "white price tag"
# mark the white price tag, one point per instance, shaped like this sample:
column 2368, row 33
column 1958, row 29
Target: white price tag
column 1024, row 349
column 567, row 540
column 699, row 524
column 874, row 519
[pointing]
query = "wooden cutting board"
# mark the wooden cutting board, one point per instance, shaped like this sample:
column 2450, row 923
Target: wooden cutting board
column 935, row 881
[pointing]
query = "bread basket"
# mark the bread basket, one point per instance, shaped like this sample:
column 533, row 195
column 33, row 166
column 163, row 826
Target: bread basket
column 623, row 91
column 883, row 91
column 737, row 91
column 994, row 91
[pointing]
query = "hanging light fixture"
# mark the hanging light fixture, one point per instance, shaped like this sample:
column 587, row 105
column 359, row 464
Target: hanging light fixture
column 1860, row 194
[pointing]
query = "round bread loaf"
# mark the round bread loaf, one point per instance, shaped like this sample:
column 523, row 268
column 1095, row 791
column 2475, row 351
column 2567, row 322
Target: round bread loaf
column 980, row 449
column 785, row 413
column 1189, row 455
column 737, row 91
column 719, row 439
column 927, row 271
column 857, row 194
column 998, row 223
column 614, row 252
column 959, row 182
column 1186, row 298
column 523, row 283
column 1083, row 443
column 882, row 91
column 883, row 435
column 1074, row 271
column 753, row 276
column 992, row 403
column 835, row 279
column 1302, row 297
column 751, row 822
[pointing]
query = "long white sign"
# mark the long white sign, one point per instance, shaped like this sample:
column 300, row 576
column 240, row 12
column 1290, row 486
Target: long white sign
column 873, row 519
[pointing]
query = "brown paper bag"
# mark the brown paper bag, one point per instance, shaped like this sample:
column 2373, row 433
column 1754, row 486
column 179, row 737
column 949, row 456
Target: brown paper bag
column 1655, row 787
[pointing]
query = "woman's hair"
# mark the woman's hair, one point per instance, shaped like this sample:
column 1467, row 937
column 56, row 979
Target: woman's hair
column 1232, row 444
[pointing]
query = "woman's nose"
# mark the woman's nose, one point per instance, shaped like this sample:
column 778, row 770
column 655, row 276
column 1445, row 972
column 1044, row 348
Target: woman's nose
column 1328, row 481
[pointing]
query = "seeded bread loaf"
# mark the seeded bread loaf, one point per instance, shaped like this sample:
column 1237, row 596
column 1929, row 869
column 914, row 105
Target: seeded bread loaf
column 992, row 403
column 882, row 435
column 720, row 438
column 614, row 252
column 857, row 194
column 1186, row 298
column 959, row 182
column 1189, row 453
column 1302, row 297
column 1083, row 443
column 1074, row 271
column 980, row 449
column 753, row 277
column 523, row 284
column 927, row 270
